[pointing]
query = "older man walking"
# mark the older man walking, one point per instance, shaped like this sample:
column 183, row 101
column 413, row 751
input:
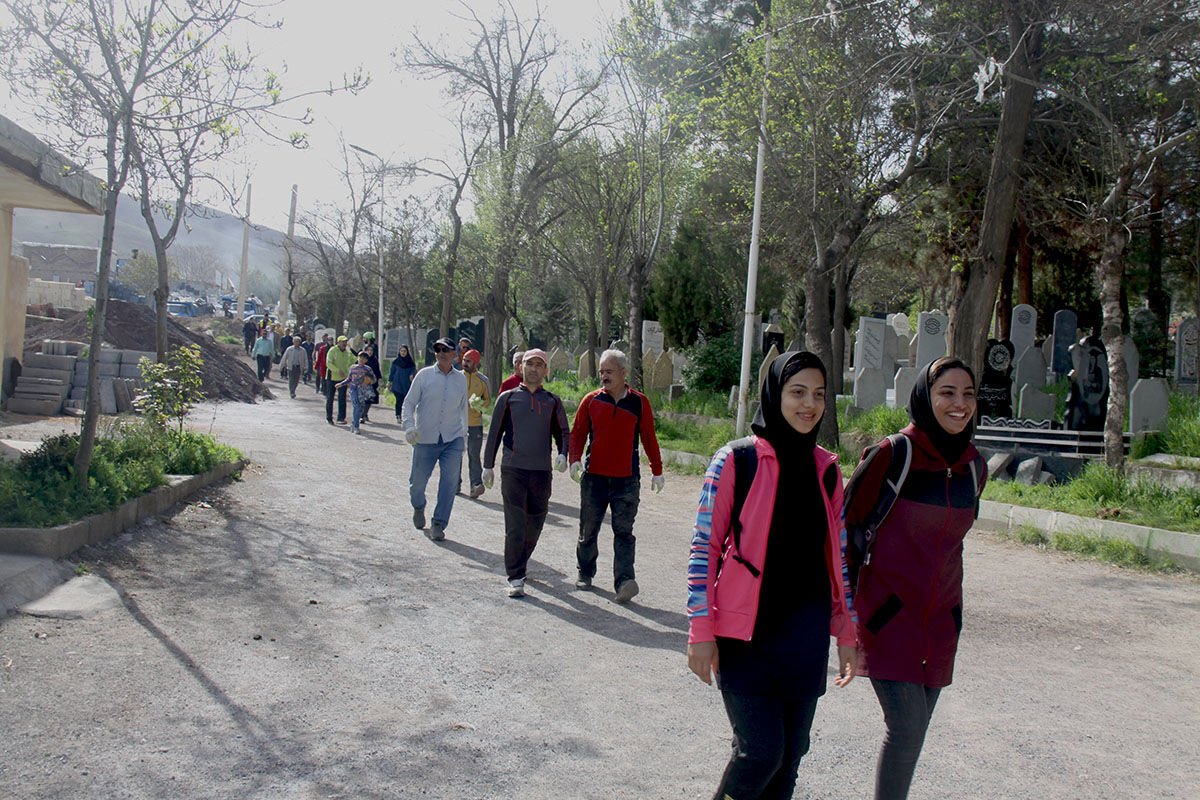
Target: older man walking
column 338, row 361
column 613, row 418
column 434, row 418
column 525, row 420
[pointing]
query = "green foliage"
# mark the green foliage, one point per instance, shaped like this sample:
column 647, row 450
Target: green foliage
column 693, row 437
column 714, row 364
column 693, row 401
column 1112, row 551
column 39, row 489
column 171, row 389
column 225, row 338
column 1182, row 436
column 696, row 286
column 876, row 423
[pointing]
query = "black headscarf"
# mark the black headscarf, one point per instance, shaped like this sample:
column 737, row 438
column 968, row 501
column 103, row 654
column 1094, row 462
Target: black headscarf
column 769, row 422
column 405, row 358
column 920, row 410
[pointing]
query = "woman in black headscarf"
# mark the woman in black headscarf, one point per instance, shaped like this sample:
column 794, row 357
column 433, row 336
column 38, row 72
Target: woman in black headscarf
column 909, row 596
column 766, row 581
column 400, row 377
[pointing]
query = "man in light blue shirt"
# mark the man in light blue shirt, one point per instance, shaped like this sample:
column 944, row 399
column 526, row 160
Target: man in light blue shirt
column 434, row 418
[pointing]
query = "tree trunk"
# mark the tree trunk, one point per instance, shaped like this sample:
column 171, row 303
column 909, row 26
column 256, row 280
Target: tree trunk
column 637, row 299
column 1004, row 303
column 975, row 286
column 1024, row 264
column 590, row 355
column 161, row 294
column 817, row 287
column 451, row 259
column 493, row 311
column 1111, row 273
column 838, row 330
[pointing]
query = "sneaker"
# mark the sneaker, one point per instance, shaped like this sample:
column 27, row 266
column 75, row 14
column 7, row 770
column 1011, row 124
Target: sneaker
column 583, row 582
column 356, row 430
column 516, row 587
column 342, row 422
column 329, row 421
column 419, row 518
column 436, row 532
column 626, row 592
column 476, row 491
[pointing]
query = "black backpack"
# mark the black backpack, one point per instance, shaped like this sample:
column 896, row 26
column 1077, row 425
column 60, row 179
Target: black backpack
column 860, row 538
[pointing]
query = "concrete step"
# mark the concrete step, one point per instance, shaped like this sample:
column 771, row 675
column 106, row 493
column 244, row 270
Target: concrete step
column 24, row 579
column 62, row 347
column 40, row 406
column 36, row 388
column 43, row 361
column 53, row 374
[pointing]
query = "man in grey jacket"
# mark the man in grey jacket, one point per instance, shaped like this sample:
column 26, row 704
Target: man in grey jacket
column 434, row 418
column 525, row 420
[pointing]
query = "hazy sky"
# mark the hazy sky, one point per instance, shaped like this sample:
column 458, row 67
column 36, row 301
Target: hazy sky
column 397, row 116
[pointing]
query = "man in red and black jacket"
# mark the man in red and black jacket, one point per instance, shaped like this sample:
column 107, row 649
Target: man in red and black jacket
column 614, row 417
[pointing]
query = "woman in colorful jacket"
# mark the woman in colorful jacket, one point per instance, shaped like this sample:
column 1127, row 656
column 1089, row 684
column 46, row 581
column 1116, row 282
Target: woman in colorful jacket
column 763, row 602
column 909, row 597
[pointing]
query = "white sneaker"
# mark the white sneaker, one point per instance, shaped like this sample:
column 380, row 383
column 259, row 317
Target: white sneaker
column 516, row 587
column 626, row 592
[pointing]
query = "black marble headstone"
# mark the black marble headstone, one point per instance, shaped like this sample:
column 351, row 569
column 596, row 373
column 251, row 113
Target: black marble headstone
column 1087, row 399
column 994, row 395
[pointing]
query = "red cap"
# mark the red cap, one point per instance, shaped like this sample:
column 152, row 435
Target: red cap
column 474, row 355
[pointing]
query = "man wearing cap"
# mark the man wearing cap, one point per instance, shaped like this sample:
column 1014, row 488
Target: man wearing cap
column 464, row 344
column 478, row 396
column 526, row 420
column 338, row 361
column 434, row 418
column 614, row 418
column 514, row 380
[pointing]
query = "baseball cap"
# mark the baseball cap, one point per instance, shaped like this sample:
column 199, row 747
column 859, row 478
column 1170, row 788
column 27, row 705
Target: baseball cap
column 342, row 339
column 369, row 335
column 445, row 341
column 535, row 353
column 474, row 355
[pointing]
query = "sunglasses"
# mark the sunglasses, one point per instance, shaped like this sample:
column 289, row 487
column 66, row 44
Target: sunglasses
column 442, row 350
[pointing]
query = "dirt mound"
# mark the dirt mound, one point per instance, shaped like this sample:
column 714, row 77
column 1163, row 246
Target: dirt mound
column 224, row 376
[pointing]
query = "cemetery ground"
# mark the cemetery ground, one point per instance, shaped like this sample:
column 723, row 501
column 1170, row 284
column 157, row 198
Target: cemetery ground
column 290, row 635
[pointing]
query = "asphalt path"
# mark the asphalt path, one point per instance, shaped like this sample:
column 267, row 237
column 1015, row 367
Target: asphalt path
column 290, row 635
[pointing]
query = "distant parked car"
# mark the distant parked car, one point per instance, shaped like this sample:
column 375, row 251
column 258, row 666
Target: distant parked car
column 182, row 308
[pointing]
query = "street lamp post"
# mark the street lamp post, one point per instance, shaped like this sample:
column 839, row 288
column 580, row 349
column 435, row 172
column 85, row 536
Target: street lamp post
column 382, row 207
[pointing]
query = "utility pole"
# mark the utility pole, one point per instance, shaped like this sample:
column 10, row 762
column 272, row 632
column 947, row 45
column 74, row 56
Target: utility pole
column 283, row 309
column 245, row 254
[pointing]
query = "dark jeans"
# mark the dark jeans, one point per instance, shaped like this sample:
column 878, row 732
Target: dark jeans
column 770, row 736
column 399, row 405
column 597, row 493
column 526, row 494
column 330, row 390
column 474, row 449
column 264, row 366
column 293, row 380
column 907, row 708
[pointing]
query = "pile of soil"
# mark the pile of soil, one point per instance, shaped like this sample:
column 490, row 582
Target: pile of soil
column 225, row 374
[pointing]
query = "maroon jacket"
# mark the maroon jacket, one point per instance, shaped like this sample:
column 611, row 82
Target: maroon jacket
column 909, row 598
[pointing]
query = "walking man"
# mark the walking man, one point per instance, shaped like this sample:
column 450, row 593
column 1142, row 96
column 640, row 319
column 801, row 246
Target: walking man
column 478, row 396
column 295, row 361
column 614, row 418
column 338, row 361
column 264, row 352
column 435, row 424
column 249, row 329
column 526, row 420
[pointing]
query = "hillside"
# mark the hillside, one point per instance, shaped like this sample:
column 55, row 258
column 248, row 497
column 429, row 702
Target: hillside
column 221, row 232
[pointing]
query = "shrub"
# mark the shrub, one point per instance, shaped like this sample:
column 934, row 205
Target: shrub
column 715, row 364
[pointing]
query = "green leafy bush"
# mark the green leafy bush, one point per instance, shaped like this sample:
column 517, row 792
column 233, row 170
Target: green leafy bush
column 715, row 364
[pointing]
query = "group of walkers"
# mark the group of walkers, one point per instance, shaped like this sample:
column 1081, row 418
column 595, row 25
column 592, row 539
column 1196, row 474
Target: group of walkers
column 771, row 579
column 770, row 576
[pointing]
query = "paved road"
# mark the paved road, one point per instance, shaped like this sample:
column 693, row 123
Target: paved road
column 289, row 635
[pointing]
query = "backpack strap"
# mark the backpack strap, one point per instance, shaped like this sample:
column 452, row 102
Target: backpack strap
column 745, row 466
column 862, row 537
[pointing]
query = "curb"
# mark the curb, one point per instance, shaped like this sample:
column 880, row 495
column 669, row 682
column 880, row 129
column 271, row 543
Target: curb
column 1182, row 548
column 681, row 457
column 62, row 540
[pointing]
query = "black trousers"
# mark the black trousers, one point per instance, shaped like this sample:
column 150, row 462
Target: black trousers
column 330, row 390
column 264, row 366
column 907, row 709
column 526, row 495
column 770, row 736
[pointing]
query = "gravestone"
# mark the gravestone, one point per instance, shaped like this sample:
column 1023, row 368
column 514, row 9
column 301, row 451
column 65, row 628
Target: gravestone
column 649, row 360
column 1087, row 399
column 994, row 395
column 870, row 388
column 1187, row 351
column 620, row 344
column 899, row 324
column 675, row 392
column 1148, row 405
column 1030, row 370
column 585, row 367
column 906, row 377
column 772, row 336
column 1133, row 362
column 1022, row 328
column 559, row 361
column 771, row 355
column 1035, row 404
column 678, row 362
column 869, row 345
column 931, row 338
column 660, row 376
column 1047, row 348
column 1065, row 325
column 652, row 336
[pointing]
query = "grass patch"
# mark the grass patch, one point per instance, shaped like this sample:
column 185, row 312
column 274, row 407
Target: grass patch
column 39, row 490
column 1112, row 551
column 1031, row 535
column 225, row 338
column 1182, row 436
column 1104, row 493
column 694, row 437
column 876, row 424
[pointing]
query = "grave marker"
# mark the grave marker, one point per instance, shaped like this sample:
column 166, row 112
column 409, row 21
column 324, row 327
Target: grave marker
column 1022, row 327
column 870, row 388
column 1087, row 400
column 1149, row 403
column 1035, row 404
column 994, row 394
column 1187, row 353
column 1065, row 325
column 931, row 338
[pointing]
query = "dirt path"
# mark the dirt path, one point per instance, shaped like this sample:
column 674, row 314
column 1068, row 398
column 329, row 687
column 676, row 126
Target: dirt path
column 389, row 666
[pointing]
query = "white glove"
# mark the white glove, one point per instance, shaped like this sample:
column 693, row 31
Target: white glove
column 560, row 462
column 489, row 477
column 410, row 435
column 577, row 471
column 657, row 483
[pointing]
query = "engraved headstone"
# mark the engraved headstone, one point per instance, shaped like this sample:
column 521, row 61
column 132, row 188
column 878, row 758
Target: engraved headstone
column 899, row 324
column 586, row 372
column 1187, row 352
column 660, row 376
column 1087, row 399
column 869, row 345
column 1065, row 325
column 678, row 362
column 931, row 338
column 652, row 336
column 559, row 361
column 1149, row 403
column 994, row 395
column 1023, row 327
column 906, row 377
column 870, row 388
column 1035, row 404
